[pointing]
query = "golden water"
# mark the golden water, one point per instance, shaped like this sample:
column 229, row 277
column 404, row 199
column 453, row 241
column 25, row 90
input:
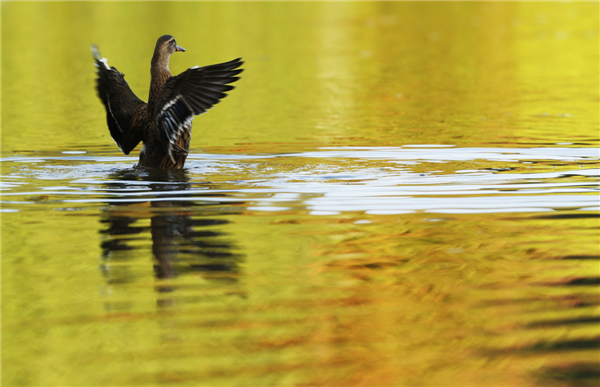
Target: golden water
column 396, row 193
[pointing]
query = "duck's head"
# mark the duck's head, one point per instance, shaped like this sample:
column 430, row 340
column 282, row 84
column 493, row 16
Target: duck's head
column 166, row 45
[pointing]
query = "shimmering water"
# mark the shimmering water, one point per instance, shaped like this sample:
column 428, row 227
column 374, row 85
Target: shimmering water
column 395, row 194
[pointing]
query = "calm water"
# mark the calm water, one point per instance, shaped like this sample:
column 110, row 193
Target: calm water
column 395, row 194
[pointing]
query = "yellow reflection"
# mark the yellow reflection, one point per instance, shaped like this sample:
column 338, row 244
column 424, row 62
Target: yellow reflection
column 354, row 73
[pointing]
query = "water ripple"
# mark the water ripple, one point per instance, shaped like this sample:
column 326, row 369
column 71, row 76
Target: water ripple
column 326, row 181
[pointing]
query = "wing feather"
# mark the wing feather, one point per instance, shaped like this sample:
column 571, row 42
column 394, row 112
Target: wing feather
column 126, row 114
column 189, row 94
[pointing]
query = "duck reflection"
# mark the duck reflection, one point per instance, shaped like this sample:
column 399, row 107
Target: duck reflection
column 163, row 206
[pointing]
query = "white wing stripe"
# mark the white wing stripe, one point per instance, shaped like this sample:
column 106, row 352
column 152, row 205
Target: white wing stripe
column 113, row 116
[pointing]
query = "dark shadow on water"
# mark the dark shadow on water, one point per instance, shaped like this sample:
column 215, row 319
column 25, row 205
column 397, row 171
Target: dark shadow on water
column 568, row 293
column 592, row 343
column 565, row 322
column 567, row 216
column 580, row 257
column 167, row 210
column 580, row 374
column 574, row 281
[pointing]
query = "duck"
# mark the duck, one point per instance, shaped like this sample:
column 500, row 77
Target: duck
column 164, row 123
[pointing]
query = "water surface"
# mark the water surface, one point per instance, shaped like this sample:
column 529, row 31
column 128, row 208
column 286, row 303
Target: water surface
column 394, row 194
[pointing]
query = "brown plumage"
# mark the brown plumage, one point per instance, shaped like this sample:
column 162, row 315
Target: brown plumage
column 164, row 124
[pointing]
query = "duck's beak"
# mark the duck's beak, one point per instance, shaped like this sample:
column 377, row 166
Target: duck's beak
column 180, row 49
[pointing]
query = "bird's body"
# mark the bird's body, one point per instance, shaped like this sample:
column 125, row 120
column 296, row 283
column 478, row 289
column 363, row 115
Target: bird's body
column 164, row 124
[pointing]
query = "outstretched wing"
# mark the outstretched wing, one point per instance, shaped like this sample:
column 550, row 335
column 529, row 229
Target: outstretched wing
column 189, row 94
column 125, row 112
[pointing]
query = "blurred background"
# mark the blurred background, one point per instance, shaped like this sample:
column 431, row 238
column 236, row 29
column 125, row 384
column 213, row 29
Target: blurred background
column 351, row 73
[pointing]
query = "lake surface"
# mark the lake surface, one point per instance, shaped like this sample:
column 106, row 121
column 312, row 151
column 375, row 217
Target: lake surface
column 395, row 194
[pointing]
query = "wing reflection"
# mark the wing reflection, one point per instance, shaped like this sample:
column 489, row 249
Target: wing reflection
column 163, row 207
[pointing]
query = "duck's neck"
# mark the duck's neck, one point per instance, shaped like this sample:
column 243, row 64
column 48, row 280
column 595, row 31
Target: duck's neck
column 159, row 73
column 160, row 61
